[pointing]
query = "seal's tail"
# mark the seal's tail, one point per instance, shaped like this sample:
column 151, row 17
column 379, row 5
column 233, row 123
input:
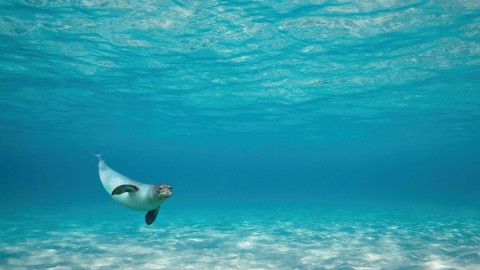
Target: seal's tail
column 99, row 157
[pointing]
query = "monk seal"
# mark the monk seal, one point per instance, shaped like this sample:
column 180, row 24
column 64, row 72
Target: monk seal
column 132, row 194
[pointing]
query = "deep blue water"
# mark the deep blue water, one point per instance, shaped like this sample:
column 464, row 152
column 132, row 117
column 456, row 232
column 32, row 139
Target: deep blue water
column 296, row 134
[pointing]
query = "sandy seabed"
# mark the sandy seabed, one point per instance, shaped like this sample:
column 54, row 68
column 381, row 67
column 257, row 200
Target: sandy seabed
column 242, row 238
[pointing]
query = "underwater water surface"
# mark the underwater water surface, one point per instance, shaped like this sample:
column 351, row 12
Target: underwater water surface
column 295, row 134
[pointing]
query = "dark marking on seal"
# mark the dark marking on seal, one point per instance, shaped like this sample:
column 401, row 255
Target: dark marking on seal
column 124, row 188
column 151, row 216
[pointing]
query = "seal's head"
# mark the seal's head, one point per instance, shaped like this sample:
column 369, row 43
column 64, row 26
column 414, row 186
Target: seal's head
column 163, row 190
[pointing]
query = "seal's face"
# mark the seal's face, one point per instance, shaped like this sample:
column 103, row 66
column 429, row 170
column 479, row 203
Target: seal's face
column 163, row 190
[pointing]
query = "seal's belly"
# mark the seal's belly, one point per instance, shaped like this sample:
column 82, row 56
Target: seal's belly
column 136, row 201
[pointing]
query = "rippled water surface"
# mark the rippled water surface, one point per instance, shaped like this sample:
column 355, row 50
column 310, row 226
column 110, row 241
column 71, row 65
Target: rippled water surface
column 319, row 68
column 279, row 124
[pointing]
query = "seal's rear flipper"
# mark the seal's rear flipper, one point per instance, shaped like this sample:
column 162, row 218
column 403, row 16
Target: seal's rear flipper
column 151, row 216
column 124, row 188
column 99, row 156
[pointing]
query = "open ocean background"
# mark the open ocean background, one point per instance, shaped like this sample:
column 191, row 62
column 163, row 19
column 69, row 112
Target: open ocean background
column 296, row 134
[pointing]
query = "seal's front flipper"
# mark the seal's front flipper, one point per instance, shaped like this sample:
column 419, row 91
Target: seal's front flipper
column 151, row 216
column 124, row 188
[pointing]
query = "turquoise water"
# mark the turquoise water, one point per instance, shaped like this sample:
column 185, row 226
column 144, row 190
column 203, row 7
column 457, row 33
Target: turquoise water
column 295, row 134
